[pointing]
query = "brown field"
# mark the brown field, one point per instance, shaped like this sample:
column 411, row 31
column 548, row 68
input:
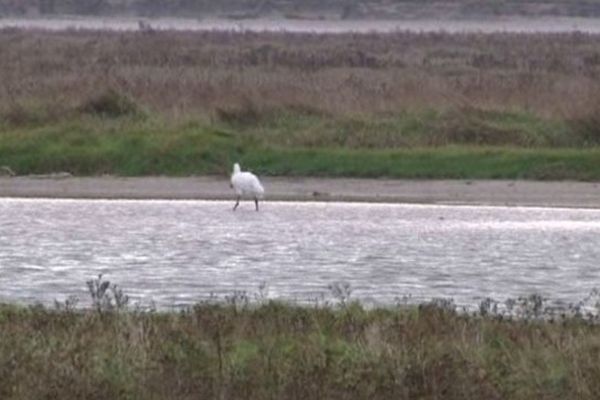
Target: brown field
column 209, row 73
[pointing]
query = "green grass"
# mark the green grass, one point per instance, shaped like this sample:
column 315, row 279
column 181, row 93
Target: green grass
column 95, row 146
column 284, row 351
column 426, row 163
column 415, row 128
column 468, row 144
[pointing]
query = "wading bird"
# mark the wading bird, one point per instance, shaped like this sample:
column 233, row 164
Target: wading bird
column 245, row 184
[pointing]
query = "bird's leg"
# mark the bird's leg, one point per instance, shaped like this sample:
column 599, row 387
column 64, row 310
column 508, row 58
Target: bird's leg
column 256, row 202
column 237, row 203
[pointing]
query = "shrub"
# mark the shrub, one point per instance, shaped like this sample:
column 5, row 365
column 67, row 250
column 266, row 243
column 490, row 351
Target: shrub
column 110, row 104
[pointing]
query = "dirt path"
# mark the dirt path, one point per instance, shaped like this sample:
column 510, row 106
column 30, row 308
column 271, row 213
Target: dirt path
column 510, row 193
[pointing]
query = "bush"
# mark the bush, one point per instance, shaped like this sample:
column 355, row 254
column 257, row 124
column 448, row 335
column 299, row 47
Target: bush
column 586, row 129
column 111, row 104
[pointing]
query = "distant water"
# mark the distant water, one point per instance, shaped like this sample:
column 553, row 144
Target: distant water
column 513, row 24
column 176, row 253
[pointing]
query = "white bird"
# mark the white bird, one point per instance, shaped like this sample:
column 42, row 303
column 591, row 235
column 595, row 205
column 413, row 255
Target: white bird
column 245, row 184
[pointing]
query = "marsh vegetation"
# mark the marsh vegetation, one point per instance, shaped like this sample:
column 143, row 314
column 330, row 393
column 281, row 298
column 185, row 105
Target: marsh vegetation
column 262, row 349
column 408, row 105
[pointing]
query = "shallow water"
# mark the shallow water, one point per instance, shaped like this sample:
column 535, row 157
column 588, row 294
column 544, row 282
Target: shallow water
column 514, row 24
column 176, row 253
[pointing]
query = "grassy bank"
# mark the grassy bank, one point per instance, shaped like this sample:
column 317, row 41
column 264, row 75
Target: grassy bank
column 133, row 146
column 288, row 352
column 396, row 105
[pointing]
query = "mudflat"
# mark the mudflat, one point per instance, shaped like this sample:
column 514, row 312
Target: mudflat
column 467, row 192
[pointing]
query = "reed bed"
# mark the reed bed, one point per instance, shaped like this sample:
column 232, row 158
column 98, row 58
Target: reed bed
column 185, row 73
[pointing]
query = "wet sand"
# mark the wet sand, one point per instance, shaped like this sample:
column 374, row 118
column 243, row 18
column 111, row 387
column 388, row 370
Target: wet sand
column 466, row 192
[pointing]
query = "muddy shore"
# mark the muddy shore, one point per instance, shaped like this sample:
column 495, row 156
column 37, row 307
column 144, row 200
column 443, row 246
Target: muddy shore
column 471, row 192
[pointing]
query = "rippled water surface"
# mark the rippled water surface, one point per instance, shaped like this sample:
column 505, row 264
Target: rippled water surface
column 516, row 24
column 179, row 252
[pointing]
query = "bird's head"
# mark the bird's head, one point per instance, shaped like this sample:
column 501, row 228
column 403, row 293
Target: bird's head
column 236, row 168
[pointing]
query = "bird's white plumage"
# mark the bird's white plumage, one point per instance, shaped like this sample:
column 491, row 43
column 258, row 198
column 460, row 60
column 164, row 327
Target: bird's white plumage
column 246, row 183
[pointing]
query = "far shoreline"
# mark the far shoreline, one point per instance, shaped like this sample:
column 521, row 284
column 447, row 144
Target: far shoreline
column 515, row 193
column 515, row 24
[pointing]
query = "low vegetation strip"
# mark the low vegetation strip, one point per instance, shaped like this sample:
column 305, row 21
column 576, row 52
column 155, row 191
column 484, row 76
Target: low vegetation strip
column 275, row 350
column 138, row 147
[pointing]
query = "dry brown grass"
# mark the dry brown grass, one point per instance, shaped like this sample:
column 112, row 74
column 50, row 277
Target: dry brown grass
column 184, row 73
